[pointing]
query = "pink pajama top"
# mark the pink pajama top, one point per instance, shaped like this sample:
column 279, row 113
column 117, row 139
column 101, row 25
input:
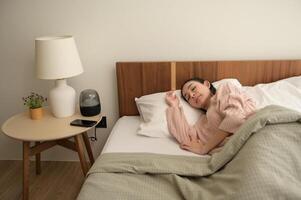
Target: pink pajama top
column 229, row 108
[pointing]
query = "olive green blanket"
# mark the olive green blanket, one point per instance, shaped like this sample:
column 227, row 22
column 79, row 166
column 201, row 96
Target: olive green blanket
column 262, row 160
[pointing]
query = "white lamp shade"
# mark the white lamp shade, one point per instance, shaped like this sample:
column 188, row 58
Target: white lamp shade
column 57, row 57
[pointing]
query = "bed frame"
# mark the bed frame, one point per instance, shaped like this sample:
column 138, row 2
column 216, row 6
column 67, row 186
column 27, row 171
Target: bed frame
column 135, row 79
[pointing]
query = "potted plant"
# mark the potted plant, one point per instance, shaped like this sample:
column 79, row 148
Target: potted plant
column 35, row 102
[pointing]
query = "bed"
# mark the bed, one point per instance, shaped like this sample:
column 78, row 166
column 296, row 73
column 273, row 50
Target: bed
column 261, row 161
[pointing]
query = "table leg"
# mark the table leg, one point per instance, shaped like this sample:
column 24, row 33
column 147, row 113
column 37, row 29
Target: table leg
column 38, row 161
column 79, row 148
column 26, row 152
column 88, row 147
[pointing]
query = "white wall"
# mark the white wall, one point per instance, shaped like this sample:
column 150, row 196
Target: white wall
column 132, row 30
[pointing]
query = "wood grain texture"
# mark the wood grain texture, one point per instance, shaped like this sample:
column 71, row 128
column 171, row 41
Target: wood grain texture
column 88, row 148
column 140, row 78
column 41, row 146
column 38, row 161
column 26, row 154
column 137, row 79
column 173, row 75
column 67, row 144
column 59, row 180
column 254, row 72
column 188, row 70
column 156, row 77
column 129, row 82
column 81, row 154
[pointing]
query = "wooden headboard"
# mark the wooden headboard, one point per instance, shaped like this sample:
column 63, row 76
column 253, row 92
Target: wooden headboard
column 141, row 78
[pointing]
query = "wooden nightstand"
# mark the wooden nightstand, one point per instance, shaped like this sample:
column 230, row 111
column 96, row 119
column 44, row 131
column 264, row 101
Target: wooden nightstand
column 46, row 133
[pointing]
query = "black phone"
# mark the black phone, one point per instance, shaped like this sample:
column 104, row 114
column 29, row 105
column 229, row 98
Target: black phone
column 83, row 123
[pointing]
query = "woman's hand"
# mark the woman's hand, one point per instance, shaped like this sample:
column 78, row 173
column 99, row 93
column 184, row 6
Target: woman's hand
column 194, row 145
column 171, row 99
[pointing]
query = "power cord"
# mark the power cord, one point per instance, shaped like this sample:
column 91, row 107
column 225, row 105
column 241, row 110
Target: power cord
column 93, row 138
column 101, row 124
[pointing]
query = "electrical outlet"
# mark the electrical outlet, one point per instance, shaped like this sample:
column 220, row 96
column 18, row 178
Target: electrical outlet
column 102, row 123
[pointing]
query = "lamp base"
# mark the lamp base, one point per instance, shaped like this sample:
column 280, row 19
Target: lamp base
column 62, row 99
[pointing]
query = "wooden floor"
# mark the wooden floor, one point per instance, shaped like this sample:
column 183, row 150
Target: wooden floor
column 58, row 180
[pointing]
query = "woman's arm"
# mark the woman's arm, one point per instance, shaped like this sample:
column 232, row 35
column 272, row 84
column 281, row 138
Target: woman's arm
column 197, row 146
column 176, row 121
column 178, row 126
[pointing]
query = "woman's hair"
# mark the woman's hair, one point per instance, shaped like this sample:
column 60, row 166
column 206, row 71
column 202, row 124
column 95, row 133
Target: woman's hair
column 211, row 88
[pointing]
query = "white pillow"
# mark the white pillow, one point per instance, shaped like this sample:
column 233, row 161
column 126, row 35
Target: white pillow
column 152, row 109
column 285, row 92
column 233, row 81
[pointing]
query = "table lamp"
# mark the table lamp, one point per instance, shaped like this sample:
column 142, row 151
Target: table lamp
column 57, row 58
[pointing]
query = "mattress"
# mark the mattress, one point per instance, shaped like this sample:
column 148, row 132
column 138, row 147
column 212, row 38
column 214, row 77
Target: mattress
column 124, row 138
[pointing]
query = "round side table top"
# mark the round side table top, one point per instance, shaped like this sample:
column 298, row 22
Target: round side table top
column 22, row 127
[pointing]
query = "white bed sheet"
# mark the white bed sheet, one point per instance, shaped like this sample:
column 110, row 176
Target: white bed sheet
column 124, row 138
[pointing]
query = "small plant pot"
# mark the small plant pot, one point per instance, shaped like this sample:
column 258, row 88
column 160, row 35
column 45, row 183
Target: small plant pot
column 36, row 113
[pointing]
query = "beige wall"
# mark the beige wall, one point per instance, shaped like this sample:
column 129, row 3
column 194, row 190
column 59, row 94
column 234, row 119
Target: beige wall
column 123, row 30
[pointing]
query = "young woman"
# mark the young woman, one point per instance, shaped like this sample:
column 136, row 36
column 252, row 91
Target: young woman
column 227, row 108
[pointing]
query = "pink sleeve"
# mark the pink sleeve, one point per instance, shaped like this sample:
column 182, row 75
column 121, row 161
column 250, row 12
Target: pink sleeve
column 178, row 125
column 234, row 106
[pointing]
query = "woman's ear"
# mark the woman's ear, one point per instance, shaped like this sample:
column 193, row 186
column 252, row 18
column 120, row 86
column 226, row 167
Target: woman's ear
column 207, row 84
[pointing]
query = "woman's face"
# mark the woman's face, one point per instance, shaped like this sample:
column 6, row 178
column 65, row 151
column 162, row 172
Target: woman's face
column 197, row 94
